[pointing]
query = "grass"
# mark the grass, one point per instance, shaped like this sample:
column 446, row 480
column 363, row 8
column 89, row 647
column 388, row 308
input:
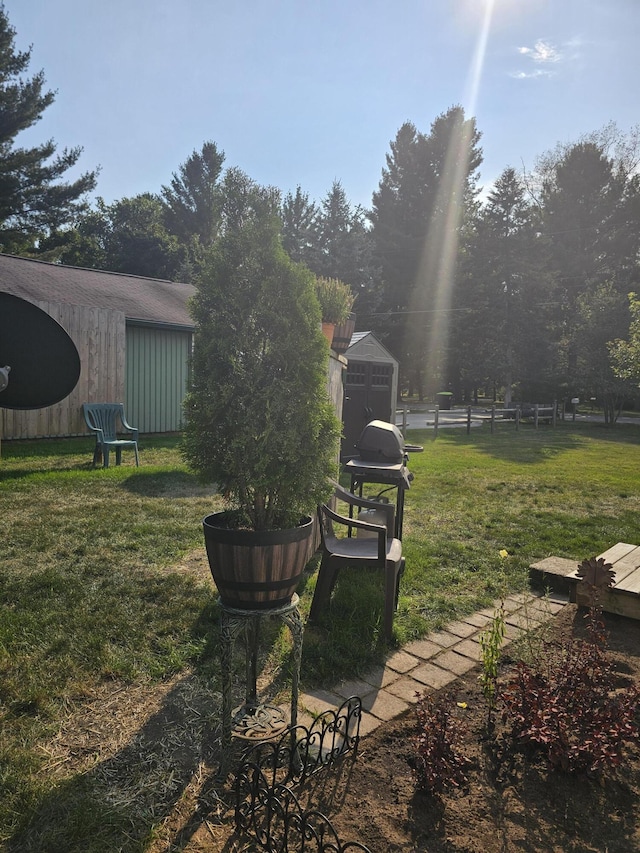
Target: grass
column 92, row 598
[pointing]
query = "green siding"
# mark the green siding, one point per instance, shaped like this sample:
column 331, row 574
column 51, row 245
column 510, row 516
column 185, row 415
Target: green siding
column 156, row 378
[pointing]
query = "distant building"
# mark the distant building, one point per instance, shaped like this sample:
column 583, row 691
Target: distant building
column 134, row 336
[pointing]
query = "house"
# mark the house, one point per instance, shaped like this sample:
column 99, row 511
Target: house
column 134, row 336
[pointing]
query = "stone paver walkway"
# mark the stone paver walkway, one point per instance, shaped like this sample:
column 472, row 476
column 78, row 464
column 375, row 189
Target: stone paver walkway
column 428, row 664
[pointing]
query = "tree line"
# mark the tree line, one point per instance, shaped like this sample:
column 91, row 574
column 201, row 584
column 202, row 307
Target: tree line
column 526, row 291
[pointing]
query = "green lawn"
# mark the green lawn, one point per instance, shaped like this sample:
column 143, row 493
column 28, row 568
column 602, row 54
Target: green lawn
column 90, row 595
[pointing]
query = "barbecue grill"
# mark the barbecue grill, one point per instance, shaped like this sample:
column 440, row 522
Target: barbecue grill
column 381, row 442
column 382, row 457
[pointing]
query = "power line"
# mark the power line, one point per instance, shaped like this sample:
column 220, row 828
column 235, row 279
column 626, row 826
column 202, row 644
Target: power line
column 449, row 310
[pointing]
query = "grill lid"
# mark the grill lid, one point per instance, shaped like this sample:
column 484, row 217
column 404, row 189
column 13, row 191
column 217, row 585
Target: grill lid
column 381, row 442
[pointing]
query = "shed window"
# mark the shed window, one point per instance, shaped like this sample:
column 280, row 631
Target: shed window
column 381, row 375
column 356, row 374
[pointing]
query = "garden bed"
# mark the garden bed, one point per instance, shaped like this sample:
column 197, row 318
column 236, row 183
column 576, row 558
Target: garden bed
column 156, row 751
column 513, row 802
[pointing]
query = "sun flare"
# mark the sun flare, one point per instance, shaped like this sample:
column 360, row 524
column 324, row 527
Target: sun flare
column 436, row 274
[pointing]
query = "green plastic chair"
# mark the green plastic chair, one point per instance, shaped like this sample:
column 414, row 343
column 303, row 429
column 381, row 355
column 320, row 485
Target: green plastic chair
column 102, row 418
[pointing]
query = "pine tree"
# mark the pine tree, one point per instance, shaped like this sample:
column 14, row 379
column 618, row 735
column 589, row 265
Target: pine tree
column 590, row 211
column 300, row 227
column 507, row 330
column 425, row 196
column 193, row 200
column 332, row 239
column 33, row 199
column 344, row 248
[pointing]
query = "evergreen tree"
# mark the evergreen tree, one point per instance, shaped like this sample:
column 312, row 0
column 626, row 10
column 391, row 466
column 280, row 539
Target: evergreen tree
column 590, row 218
column 506, row 333
column 345, row 249
column 192, row 200
column 300, row 227
column 259, row 421
column 33, row 198
column 579, row 202
column 420, row 212
column 336, row 225
column 332, row 239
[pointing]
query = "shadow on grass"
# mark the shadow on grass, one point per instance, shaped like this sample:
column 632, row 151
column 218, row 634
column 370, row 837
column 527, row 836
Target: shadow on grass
column 118, row 802
column 528, row 446
column 162, row 484
column 349, row 635
column 54, row 456
column 138, row 766
column 160, row 784
column 34, row 448
column 7, row 475
column 22, row 459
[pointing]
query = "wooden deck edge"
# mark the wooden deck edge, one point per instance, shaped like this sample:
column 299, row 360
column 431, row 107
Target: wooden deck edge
column 614, row 601
column 558, row 575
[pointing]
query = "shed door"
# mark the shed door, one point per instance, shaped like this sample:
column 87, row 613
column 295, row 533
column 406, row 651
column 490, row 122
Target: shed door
column 157, row 366
column 367, row 397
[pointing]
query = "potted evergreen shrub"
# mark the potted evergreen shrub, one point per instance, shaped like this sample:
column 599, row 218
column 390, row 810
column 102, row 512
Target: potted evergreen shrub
column 336, row 301
column 258, row 419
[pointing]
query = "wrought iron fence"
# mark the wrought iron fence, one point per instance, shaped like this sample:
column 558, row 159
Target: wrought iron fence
column 267, row 807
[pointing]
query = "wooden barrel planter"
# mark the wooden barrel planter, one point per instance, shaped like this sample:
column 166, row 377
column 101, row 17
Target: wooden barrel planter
column 256, row 570
column 343, row 333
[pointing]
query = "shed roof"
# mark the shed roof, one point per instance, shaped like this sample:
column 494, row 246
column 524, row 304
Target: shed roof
column 146, row 300
column 361, row 338
column 357, row 336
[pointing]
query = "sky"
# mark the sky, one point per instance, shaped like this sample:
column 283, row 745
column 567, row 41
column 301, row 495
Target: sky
column 307, row 92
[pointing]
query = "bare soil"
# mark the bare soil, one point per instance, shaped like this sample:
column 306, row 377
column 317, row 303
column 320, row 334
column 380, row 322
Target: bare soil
column 513, row 802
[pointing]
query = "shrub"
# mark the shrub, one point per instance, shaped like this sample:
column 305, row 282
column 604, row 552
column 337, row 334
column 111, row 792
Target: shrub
column 258, row 418
column 573, row 712
column 439, row 764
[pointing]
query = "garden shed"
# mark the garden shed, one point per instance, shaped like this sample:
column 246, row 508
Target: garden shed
column 134, row 336
column 370, row 387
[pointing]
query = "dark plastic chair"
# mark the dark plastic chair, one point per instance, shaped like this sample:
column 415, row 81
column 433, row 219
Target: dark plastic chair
column 378, row 552
column 102, row 418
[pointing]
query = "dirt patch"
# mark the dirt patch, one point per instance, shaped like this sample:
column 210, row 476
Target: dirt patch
column 513, row 802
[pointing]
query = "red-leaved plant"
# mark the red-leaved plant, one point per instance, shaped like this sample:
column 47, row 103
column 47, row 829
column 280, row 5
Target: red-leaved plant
column 438, row 764
column 572, row 711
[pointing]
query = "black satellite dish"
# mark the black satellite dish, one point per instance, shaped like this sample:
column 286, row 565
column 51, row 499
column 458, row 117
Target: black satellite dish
column 39, row 363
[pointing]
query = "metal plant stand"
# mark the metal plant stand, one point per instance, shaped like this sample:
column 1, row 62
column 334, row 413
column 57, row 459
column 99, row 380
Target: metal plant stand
column 256, row 721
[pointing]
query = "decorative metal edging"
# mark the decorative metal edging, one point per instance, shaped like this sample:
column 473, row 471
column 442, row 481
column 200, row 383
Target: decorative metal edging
column 300, row 752
column 279, row 825
column 266, row 806
column 315, row 827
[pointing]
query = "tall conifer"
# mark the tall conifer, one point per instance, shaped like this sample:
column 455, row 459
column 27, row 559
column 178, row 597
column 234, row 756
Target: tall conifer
column 34, row 201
